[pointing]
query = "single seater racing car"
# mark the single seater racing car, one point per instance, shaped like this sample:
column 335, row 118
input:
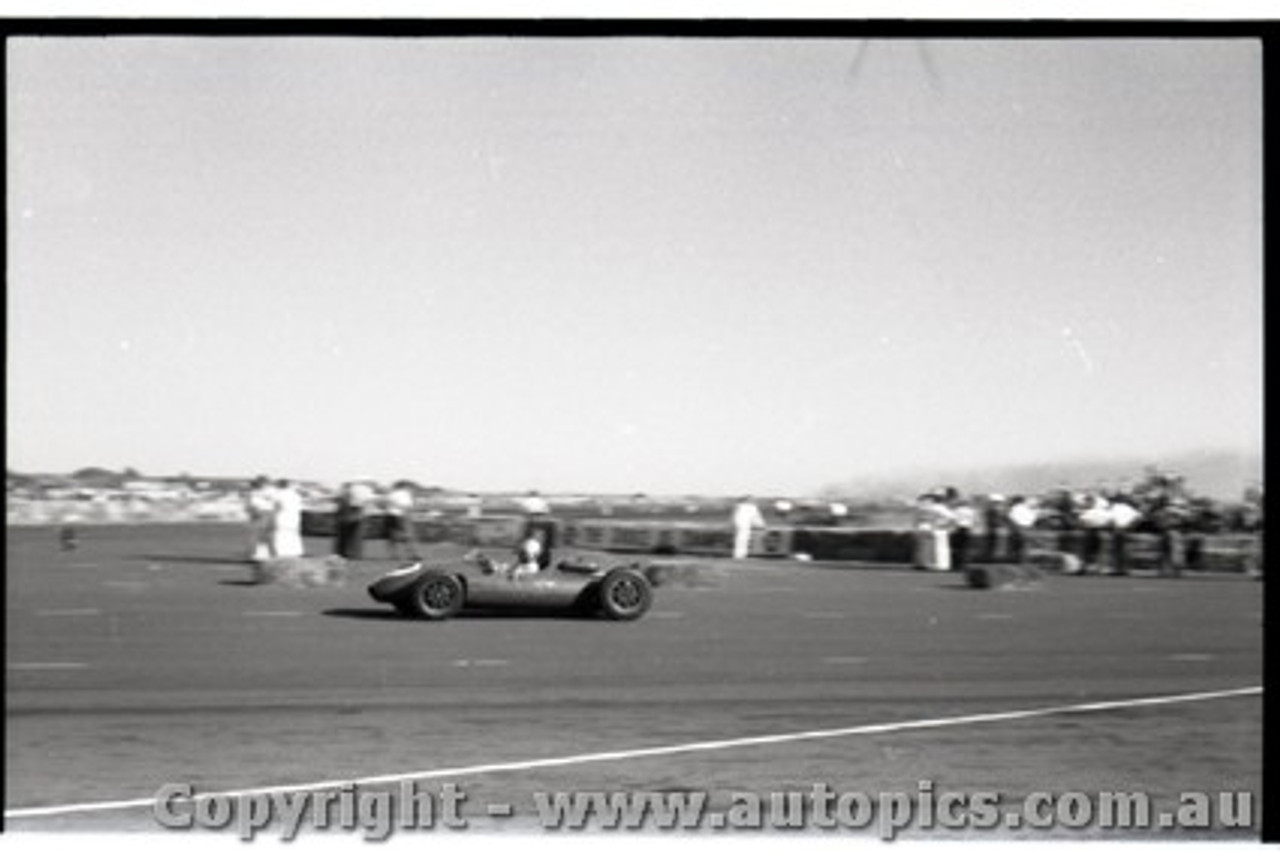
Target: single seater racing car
column 418, row 590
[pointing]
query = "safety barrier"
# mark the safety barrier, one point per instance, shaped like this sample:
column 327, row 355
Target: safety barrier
column 1189, row 551
column 672, row 538
column 839, row 545
column 1225, row 553
column 1175, row 551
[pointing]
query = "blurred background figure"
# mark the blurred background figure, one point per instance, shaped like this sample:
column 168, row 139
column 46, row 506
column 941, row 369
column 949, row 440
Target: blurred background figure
column 259, row 504
column 1170, row 523
column 963, row 519
column 934, row 521
column 286, row 528
column 993, row 517
column 1094, row 520
column 1022, row 518
column 69, row 531
column 746, row 517
column 1124, row 515
column 534, row 503
column 353, row 503
column 781, row 507
column 398, row 505
column 68, row 537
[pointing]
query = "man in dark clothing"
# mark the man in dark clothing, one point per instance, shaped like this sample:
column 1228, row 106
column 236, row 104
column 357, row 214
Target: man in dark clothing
column 993, row 521
column 353, row 503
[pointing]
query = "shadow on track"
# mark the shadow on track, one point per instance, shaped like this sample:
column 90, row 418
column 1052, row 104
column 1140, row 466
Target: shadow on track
column 369, row 614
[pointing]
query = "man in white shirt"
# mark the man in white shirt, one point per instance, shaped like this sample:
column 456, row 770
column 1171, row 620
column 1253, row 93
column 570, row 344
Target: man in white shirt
column 534, row 503
column 398, row 505
column 1022, row 518
column 1124, row 515
column 286, row 532
column 934, row 523
column 259, row 506
column 746, row 517
column 1095, row 519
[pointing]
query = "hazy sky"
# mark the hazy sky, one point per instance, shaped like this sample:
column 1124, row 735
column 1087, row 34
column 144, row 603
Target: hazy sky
column 629, row 264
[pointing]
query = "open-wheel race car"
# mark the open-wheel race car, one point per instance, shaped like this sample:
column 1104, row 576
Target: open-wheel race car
column 436, row 592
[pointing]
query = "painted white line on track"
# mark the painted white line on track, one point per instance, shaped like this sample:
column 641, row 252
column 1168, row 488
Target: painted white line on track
column 466, row 663
column 67, row 613
column 32, row 667
column 1191, row 658
column 994, row 616
column 660, row 751
column 844, row 661
column 271, row 613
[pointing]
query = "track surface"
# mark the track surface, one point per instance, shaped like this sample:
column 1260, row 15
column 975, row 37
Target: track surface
column 145, row 658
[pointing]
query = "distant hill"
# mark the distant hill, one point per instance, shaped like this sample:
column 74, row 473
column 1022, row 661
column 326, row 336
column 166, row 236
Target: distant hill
column 1220, row 474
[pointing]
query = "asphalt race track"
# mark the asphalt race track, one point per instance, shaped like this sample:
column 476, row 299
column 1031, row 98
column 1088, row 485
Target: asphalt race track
column 145, row 657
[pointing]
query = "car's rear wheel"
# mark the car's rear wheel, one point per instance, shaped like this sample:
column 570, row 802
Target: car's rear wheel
column 624, row 595
column 436, row 596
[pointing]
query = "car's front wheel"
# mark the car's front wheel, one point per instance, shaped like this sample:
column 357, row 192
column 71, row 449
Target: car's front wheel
column 624, row 595
column 436, row 596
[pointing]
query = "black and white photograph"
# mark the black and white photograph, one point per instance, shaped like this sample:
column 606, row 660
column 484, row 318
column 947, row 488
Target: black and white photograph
column 463, row 430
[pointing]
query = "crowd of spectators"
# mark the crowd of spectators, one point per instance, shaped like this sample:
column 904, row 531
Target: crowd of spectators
column 1158, row 502
column 1094, row 525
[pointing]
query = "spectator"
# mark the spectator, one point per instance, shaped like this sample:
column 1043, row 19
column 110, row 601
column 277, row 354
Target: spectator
column 259, row 504
column 1169, row 523
column 68, row 532
column 993, row 513
column 68, row 538
column 353, row 503
column 1123, row 517
column 746, row 517
column 782, row 507
column 535, row 504
column 963, row 519
column 1022, row 518
column 398, row 505
column 1094, row 520
column 286, row 527
column 933, row 528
